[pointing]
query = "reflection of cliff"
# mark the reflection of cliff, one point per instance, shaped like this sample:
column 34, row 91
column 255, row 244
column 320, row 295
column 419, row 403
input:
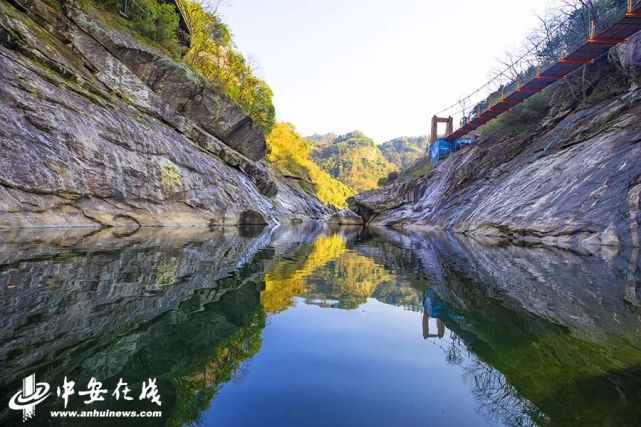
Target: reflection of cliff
column 195, row 391
column 182, row 306
column 543, row 335
column 62, row 287
column 554, row 323
column 192, row 353
column 213, row 354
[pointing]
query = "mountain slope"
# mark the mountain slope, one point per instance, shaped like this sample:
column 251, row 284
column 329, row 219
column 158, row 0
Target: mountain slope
column 290, row 155
column 353, row 158
column 404, row 151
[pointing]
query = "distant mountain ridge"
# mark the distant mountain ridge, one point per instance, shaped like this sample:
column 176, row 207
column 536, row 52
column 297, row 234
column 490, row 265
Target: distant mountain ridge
column 352, row 158
column 404, row 151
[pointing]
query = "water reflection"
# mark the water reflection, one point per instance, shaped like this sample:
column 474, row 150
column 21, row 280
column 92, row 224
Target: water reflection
column 181, row 306
column 555, row 327
column 542, row 336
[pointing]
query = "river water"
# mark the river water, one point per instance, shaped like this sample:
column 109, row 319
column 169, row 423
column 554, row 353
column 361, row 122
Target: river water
column 311, row 326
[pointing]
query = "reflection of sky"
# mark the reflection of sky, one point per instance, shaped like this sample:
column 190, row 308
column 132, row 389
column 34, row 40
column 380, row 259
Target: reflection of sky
column 363, row 363
column 368, row 366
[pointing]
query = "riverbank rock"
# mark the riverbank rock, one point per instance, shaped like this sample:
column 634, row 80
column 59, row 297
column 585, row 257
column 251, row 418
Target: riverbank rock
column 99, row 129
column 576, row 179
column 346, row 217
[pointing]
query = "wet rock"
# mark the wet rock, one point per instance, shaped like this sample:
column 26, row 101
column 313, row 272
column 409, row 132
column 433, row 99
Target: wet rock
column 346, row 217
column 250, row 217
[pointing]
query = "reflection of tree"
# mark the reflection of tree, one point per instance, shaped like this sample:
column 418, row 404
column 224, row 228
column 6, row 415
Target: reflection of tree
column 549, row 367
column 455, row 352
column 401, row 292
column 498, row 400
column 287, row 277
column 349, row 279
column 195, row 391
column 330, row 275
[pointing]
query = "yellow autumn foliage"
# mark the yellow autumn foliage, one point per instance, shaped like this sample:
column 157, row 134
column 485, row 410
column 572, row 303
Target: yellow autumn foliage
column 353, row 274
column 328, row 271
column 214, row 55
column 285, row 278
column 290, row 155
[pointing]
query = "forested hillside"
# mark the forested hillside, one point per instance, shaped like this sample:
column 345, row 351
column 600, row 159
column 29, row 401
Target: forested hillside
column 353, row 158
column 404, row 151
column 290, row 155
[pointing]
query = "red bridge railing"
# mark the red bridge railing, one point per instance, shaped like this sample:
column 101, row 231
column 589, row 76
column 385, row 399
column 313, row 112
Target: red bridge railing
column 587, row 43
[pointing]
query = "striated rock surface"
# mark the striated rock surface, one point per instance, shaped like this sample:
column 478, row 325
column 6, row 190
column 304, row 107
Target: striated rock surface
column 346, row 217
column 574, row 180
column 97, row 128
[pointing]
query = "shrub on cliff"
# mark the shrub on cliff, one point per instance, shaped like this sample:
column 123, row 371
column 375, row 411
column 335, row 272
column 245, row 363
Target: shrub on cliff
column 521, row 118
column 214, row 56
column 212, row 53
column 156, row 21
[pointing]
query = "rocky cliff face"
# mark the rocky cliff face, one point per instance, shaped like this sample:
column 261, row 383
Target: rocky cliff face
column 576, row 179
column 98, row 128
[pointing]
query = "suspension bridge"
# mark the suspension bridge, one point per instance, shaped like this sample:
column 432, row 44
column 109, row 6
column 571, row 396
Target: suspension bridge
column 614, row 27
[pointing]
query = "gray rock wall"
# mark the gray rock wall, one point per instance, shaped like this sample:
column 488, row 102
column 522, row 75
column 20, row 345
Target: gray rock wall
column 574, row 180
column 96, row 128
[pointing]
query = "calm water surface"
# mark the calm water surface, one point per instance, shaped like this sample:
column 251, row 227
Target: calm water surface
column 310, row 326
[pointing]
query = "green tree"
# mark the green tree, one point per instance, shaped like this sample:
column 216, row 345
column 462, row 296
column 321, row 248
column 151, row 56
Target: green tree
column 214, row 55
column 152, row 19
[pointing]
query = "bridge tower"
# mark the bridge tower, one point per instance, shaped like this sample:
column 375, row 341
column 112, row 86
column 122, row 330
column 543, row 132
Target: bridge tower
column 440, row 147
column 449, row 123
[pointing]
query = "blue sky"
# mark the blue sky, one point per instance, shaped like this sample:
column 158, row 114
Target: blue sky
column 381, row 66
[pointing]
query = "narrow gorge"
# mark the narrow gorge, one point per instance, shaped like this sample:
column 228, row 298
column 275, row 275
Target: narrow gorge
column 229, row 214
